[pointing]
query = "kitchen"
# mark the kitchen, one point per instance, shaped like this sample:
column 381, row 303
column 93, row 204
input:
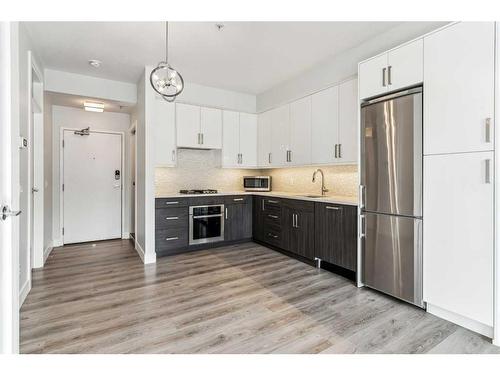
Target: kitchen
column 349, row 209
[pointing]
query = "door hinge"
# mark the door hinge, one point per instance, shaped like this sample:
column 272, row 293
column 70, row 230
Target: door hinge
column 63, row 187
column 63, row 231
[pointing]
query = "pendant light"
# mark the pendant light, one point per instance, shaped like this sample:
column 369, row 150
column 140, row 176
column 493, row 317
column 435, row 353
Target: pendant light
column 165, row 80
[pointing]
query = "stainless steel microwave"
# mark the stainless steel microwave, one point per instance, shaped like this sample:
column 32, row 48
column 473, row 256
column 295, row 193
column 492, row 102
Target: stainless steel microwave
column 257, row 183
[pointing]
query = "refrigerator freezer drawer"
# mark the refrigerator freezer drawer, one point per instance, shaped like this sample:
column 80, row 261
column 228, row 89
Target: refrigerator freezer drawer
column 392, row 255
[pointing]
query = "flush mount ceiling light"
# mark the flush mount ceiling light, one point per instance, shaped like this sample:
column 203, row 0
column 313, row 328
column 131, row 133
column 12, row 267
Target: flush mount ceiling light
column 165, row 80
column 95, row 63
column 93, row 107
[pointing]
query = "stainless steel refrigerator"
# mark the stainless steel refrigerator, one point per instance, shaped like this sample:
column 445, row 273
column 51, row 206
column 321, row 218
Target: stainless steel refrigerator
column 391, row 194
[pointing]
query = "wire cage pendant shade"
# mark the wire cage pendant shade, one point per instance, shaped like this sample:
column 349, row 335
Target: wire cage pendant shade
column 165, row 80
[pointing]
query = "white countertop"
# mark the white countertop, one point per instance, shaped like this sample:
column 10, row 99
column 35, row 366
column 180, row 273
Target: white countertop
column 338, row 199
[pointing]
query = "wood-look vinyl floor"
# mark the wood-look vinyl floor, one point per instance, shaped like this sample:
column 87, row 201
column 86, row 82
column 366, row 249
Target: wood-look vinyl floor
column 100, row 298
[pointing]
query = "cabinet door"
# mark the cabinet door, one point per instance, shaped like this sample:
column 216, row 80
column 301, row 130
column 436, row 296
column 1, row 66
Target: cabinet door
column 458, row 234
column 258, row 218
column 248, row 139
column 324, row 125
column 459, row 67
column 302, row 238
column 211, row 128
column 264, row 139
column 188, row 125
column 280, row 135
column 348, row 122
column 163, row 125
column 300, row 132
column 230, row 139
column 238, row 222
column 406, row 65
column 371, row 77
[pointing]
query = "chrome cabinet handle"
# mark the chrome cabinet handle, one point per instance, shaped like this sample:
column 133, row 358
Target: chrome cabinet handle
column 383, row 77
column 171, row 202
column 336, row 150
column 296, row 220
column 269, row 158
column 271, row 201
column 272, row 235
column 172, row 218
column 362, row 196
column 226, row 212
column 293, row 220
column 172, row 238
column 488, row 130
column 173, row 155
column 202, row 141
column 7, row 212
column 238, row 199
column 488, row 171
column 199, row 139
column 389, row 75
column 263, row 203
column 272, row 216
column 333, row 208
column 340, row 150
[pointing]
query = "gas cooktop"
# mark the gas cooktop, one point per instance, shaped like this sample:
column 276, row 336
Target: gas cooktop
column 198, row 191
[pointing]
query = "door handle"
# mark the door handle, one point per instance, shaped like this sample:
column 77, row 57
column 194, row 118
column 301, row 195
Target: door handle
column 362, row 223
column 383, row 77
column 237, row 199
column 171, row 202
column 6, row 212
column 273, row 216
column 173, row 155
column 487, row 177
column 334, row 208
column 271, row 201
column 340, row 150
column 296, row 220
column 263, row 203
column 336, row 150
column 202, row 141
column 389, row 75
column 269, row 158
column 226, row 212
column 488, row 130
column 361, row 196
column 34, row 190
column 172, row 218
column 172, row 238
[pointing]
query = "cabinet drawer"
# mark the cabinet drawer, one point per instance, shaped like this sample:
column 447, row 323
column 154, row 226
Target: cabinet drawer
column 299, row 205
column 206, row 201
column 272, row 219
column 273, row 236
column 237, row 199
column 171, row 217
column 170, row 202
column 173, row 238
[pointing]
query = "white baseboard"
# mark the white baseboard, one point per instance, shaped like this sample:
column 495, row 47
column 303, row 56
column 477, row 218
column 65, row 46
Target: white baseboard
column 57, row 242
column 139, row 250
column 46, row 253
column 463, row 321
column 125, row 235
column 23, row 293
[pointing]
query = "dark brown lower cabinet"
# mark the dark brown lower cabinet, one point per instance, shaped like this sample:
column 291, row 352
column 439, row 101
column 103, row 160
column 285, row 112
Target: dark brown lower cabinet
column 258, row 218
column 298, row 228
column 238, row 220
column 336, row 234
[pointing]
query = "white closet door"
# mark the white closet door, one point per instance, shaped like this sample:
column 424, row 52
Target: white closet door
column 324, row 125
column 211, row 128
column 188, row 125
column 348, row 122
column 458, row 234
column 459, row 77
column 230, row 138
column 92, row 178
column 300, row 132
column 280, row 138
column 248, row 139
column 264, row 135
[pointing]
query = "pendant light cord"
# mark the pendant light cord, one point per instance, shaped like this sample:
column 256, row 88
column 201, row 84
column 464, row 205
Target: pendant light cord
column 166, row 42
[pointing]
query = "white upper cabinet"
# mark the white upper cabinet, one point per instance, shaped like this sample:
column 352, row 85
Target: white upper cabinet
column 405, row 65
column 459, row 234
column 211, row 128
column 230, row 139
column 163, row 125
column 280, row 135
column 459, row 76
column 239, row 146
column 324, row 126
column 198, row 127
column 396, row 69
column 264, row 139
column 188, row 125
column 373, row 77
column 248, row 140
column 348, row 138
column 300, row 132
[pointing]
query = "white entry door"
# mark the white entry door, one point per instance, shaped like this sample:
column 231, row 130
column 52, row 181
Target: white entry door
column 92, row 186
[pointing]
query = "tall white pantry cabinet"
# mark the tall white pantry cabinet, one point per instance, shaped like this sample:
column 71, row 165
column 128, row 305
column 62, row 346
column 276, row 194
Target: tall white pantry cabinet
column 459, row 93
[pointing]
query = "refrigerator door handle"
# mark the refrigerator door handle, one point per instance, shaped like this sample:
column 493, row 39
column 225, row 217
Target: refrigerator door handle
column 362, row 226
column 361, row 196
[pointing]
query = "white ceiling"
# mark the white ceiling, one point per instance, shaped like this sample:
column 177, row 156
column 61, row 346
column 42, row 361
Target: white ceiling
column 76, row 101
column 248, row 57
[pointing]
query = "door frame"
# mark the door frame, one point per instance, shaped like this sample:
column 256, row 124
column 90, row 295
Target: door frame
column 36, row 169
column 61, row 176
column 133, row 140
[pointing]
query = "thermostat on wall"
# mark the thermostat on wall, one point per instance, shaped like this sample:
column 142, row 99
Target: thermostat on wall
column 23, row 142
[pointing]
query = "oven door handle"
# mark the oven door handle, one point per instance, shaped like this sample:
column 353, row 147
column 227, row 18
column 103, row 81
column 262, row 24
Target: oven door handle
column 202, row 216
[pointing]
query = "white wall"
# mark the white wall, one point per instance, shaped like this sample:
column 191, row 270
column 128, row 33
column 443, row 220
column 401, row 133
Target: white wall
column 78, row 84
column 47, row 174
column 75, row 118
column 341, row 67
